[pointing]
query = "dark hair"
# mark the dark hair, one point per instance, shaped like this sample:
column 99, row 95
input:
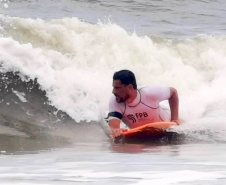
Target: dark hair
column 126, row 77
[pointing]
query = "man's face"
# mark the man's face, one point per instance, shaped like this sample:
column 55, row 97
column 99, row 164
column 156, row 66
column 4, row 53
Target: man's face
column 120, row 91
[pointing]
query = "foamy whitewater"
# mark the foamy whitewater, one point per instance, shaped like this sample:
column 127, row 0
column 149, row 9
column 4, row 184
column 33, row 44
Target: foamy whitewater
column 57, row 59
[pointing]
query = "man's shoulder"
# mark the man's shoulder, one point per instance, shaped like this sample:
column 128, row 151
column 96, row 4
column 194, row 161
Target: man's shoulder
column 149, row 89
column 154, row 90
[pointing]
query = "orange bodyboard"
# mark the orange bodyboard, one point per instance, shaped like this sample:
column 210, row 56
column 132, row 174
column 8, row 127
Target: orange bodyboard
column 151, row 130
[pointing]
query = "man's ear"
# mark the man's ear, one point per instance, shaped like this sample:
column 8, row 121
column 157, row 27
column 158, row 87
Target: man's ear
column 130, row 86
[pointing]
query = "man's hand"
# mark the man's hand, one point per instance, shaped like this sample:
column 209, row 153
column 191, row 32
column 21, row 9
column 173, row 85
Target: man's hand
column 177, row 122
column 117, row 132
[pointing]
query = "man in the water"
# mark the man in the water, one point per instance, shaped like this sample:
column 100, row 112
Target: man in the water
column 139, row 107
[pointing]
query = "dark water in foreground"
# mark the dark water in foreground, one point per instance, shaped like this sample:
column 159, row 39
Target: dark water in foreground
column 101, row 162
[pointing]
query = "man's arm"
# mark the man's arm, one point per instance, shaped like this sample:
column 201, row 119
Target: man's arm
column 116, row 131
column 174, row 105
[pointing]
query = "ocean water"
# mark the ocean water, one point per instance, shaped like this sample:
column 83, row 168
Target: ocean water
column 57, row 59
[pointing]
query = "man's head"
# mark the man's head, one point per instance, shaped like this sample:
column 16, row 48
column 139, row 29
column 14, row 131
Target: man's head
column 124, row 83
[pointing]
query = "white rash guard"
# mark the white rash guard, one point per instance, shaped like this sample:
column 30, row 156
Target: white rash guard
column 144, row 109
